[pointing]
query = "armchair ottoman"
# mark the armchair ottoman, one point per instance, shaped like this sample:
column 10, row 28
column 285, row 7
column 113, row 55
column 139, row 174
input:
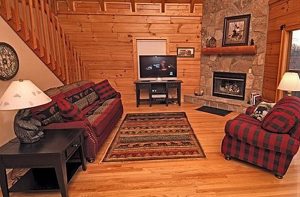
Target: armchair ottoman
column 270, row 143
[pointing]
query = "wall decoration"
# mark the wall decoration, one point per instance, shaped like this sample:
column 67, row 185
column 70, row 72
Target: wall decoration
column 185, row 51
column 211, row 42
column 9, row 62
column 236, row 30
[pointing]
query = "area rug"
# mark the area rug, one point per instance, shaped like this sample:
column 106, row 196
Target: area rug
column 213, row 110
column 149, row 136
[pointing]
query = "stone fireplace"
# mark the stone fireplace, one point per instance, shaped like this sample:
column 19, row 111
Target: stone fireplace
column 214, row 12
column 229, row 85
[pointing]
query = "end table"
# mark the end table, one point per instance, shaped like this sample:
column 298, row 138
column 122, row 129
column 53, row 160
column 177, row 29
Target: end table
column 51, row 161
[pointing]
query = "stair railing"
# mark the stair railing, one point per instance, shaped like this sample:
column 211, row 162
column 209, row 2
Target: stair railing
column 35, row 22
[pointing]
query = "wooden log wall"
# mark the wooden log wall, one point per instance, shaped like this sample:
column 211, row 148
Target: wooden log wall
column 281, row 12
column 106, row 39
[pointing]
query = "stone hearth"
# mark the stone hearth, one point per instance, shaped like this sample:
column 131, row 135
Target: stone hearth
column 221, row 103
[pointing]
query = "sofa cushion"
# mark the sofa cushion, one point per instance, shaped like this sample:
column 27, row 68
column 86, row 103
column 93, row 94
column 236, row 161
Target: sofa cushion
column 250, row 109
column 92, row 97
column 67, row 88
column 52, row 91
column 76, row 97
column 248, row 130
column 89, row 93
column 105, row 90
column 103, row 106
column 283, row 117
column 248, row 119
column 46, row 114
column 100, row 120
column 68, row 111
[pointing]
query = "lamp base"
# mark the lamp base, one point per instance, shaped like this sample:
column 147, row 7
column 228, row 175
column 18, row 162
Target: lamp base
column 27, row 129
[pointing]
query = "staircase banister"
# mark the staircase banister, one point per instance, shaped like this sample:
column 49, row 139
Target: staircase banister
column 36, row 23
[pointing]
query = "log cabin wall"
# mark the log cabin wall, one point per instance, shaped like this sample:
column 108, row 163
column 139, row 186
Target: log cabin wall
column 105, row 36
column 281, row 12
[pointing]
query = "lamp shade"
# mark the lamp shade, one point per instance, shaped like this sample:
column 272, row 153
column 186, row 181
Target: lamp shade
column 22, row 94
column 290, row 82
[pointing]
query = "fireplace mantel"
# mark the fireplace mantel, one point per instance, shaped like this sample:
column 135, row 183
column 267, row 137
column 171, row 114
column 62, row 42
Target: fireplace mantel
column 232, row 50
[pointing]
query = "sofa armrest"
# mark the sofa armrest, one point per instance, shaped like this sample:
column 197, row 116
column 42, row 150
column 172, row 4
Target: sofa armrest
column 71, row 125
column 255, row 135
column 250, row 110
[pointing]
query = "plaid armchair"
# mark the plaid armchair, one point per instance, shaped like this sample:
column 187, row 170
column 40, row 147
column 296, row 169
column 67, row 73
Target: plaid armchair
column 270, row 143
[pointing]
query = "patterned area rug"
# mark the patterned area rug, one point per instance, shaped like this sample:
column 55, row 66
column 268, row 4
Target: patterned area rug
column 148, row 136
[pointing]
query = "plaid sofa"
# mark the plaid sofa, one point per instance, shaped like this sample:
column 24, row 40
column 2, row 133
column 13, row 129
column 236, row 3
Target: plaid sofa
column 270, row 143
column 94, row 107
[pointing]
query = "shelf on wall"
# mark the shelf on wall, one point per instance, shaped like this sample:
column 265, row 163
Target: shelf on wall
column 232, row 50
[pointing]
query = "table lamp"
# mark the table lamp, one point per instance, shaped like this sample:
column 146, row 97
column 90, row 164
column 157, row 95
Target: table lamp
column 23, row 94
column 290, row 82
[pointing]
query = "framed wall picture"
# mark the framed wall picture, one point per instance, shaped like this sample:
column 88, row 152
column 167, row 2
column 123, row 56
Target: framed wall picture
column 236, row 30
column 9, row 62
column 185, row 52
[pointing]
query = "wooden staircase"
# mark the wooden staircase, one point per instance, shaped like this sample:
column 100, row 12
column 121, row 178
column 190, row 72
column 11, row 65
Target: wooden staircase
column 35, row 22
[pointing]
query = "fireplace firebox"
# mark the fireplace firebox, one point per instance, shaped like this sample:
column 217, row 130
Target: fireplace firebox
column 229, row 85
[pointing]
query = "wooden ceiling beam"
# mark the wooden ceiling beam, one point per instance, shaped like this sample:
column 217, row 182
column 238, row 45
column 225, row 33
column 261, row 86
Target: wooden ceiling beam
column 70, row 5
column 139, row 1
column 52, row 6
column 132, row 5
column 192, row 6
column 163, row 2
column 102, row 5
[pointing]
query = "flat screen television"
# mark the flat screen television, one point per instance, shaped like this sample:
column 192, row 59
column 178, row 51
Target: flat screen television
column 157, row 67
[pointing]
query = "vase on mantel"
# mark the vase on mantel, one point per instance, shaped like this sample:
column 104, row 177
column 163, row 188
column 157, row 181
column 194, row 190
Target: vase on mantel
column 198, row 92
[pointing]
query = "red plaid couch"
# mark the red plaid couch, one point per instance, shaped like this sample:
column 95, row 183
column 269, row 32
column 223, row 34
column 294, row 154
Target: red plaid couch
column 94, row 107
column 270, row 143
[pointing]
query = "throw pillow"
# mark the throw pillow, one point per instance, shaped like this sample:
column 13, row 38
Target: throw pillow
column 280, row 119
column 105, row 90
column 47, row 113
column 261, row 110
column 68, row 111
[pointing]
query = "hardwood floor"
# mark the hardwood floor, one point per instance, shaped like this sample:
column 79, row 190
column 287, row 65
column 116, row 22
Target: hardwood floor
column 212, row 176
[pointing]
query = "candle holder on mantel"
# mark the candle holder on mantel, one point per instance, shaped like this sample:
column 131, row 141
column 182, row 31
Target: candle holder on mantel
column 198, row 92
column 211, row 42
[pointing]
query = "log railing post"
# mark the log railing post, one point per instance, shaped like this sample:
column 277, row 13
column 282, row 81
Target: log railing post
column 43, row 30
column 38, row 26
column 25, row 18
column 32, row 25
column 61, row 49
column 45, row 33
column 5, row 11
column 16, row 16
column 57, row 48
column 65, row 48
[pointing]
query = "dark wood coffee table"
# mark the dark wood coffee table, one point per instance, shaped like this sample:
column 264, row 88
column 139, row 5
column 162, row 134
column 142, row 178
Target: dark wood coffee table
column 52, row 161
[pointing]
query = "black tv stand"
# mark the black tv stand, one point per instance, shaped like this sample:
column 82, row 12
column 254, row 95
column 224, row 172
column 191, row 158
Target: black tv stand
column 158, row 91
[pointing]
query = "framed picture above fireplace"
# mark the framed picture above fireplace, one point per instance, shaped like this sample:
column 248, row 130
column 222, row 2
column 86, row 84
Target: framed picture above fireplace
column 236, row 30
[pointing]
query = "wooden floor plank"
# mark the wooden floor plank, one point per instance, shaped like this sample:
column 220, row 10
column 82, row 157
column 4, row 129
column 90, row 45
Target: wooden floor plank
column 209, row 177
